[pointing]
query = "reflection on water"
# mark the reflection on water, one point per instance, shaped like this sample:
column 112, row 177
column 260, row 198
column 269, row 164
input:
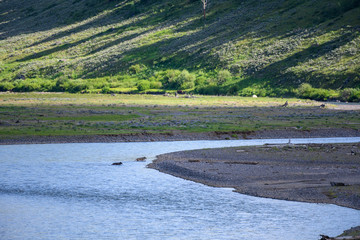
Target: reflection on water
column 71, row 191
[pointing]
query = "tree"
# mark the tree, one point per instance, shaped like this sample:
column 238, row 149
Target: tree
column 205, row 2
column 223, row 76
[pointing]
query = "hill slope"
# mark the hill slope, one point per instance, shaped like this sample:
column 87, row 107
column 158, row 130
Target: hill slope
column 250, row 46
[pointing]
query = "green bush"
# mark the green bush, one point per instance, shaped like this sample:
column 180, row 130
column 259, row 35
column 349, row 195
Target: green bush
column 77, row 86
column 233, row 90
column 304, row 90
column 350, row 95
column 155, row 85
column 200, row 80
column 169, row 79
column 223, row 76
column 27, row 86
column 135, row 69
column 61, row 84
column 320, row 94
column 6, row 86
column 105, row 89
column 174, row 79
column 250, row 91
column 185, row 80
column 143, row 85
column 211, row 89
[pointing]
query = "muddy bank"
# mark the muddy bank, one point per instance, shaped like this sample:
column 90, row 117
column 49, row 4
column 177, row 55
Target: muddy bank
column 183, row 136
column 317, row 173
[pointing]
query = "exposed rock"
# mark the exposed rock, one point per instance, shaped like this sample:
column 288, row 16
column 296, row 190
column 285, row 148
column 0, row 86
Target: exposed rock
column 337, row 184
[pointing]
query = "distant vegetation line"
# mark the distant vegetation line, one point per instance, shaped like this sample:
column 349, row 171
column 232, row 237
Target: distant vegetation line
column 307, row 48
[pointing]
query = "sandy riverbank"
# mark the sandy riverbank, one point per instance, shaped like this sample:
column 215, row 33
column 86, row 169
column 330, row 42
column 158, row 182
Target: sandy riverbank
column 309, row 173
column 182, row 136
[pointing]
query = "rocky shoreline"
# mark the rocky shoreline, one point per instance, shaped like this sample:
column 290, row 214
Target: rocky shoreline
column 182, row 136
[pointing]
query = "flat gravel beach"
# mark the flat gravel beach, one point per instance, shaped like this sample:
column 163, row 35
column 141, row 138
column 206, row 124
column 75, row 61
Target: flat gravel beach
column 317, row 173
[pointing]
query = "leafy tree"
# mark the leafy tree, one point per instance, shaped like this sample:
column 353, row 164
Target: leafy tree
column 223, row 76
column 304, row 90
column 184, row 80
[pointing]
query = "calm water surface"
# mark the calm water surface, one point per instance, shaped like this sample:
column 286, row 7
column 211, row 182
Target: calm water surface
column 71, row 191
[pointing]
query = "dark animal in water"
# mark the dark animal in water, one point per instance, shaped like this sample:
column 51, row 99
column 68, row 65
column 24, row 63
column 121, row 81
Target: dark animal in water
column 117, row 163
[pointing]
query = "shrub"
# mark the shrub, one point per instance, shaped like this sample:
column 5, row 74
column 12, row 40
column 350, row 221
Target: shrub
column 76, row 86
column 174, row 79
column 200, row 80
column 47, row 85
column 105, row 89
column 155, row 85
column 304, row 90
column 250, row 91
column 232, row 90
column 134, row 69
column 355, row 97
column 6, row 86
column 169, row 80
column 350, row 95
column 223, row 76
column 211, row 89
column 143, row 85
column 185, row 80
column 27, row 86
column 61, row 84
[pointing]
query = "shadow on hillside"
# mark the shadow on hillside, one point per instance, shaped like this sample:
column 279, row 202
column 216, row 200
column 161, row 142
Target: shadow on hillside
column 120, row 14
column 66, row 46
column 24, row 17
column 184, row 51
column 276, row 70
column 109, row 18
column 196, row 50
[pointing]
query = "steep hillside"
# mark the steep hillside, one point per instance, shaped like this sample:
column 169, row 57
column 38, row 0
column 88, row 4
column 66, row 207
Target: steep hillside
column 267, row 47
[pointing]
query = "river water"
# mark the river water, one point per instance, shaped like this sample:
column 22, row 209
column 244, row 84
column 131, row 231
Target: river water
column 71, row 191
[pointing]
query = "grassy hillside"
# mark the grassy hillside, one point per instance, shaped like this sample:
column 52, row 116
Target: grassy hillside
column 263, row 47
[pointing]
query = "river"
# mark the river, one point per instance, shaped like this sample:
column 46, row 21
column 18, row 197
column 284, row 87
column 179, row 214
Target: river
column 71, row 191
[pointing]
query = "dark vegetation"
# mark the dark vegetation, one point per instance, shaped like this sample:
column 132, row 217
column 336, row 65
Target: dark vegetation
column 307, row 48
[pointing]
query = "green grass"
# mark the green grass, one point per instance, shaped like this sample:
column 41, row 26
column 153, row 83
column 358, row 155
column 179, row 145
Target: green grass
column 53, row 114
column 270, row 47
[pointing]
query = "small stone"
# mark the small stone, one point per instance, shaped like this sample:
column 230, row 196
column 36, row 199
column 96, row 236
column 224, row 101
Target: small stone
column 141, row 159
column 337, row 184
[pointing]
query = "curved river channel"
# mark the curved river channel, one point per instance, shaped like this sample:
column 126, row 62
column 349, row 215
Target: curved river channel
column 71, row 191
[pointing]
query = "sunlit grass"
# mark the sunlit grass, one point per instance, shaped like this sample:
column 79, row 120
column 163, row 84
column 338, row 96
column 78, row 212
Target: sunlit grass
column 54, row 114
